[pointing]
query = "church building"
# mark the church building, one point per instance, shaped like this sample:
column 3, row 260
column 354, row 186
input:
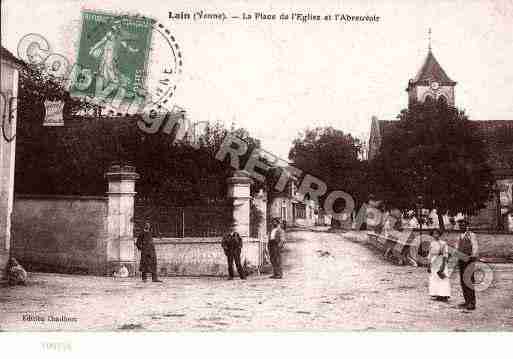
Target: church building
column 433, row 84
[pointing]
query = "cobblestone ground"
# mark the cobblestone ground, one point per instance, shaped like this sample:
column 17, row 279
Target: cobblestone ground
column 332, row 282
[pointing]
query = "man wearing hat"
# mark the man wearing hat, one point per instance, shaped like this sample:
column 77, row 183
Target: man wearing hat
column 148, row 262
column 276, row 241
column 232, row 246
column 468, row 256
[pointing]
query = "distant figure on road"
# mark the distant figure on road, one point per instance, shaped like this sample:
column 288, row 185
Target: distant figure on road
column 232, row 246
column 148, row 262
column 16, row 274
column 439, row 284
column 284, row 225
column 275, row 245
column 468, row 256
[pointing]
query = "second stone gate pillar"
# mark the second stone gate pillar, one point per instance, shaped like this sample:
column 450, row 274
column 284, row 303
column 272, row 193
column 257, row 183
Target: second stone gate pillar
column 239, row 189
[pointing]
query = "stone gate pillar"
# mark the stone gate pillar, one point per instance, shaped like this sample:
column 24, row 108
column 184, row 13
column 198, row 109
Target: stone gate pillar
column 120, row 218
column 239, row 186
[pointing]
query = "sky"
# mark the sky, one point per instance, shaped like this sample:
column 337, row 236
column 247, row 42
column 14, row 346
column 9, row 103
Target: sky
column 277, row 78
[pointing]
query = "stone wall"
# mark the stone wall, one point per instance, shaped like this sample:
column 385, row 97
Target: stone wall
column 61, row 233
column 490, row 245
column 199, row 256
column 487, row 218
column 95, row 235
column 68, row 234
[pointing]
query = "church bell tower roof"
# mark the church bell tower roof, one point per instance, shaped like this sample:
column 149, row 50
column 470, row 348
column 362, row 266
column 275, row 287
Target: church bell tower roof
column 431, row 71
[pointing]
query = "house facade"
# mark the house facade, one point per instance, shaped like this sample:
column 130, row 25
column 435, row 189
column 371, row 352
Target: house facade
column 288, row 207
column 8, row 98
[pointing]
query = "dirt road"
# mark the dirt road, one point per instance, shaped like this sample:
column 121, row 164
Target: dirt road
column 331, row 282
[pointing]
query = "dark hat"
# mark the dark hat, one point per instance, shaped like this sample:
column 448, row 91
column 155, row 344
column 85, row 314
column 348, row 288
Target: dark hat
column 437, row 230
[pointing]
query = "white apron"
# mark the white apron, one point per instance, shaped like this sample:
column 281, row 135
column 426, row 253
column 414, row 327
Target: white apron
column 437, row 286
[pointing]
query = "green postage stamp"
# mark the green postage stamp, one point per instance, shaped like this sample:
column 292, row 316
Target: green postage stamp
column 112, row 57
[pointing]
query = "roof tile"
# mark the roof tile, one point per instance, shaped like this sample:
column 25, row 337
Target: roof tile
column 432, row 71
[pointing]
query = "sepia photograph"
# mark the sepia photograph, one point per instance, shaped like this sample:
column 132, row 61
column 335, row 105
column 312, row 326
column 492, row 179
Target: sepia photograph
column 245, row 167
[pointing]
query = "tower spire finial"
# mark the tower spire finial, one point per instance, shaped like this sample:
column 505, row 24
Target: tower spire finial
column 429, row 39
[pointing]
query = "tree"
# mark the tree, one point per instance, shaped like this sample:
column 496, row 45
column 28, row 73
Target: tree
column 433, row 158
column 335, row 158
column 36, row 86
column 72, row 159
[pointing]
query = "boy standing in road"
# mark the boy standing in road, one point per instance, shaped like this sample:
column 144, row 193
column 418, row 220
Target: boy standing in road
column 276, row 241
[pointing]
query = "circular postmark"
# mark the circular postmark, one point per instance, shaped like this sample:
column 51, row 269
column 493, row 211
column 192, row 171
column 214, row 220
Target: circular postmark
column 114, row 63
column 126, row 64
column 479, row 276
column 163, row 86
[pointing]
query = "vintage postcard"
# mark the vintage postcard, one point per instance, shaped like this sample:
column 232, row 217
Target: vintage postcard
column 231, row 166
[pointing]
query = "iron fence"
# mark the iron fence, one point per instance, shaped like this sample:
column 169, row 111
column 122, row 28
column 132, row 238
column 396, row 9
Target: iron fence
column 181, row 222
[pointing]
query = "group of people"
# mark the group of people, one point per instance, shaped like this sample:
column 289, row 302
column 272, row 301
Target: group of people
column 467, row 251
column 232, row 246
column 439, row 283
column 438, row 267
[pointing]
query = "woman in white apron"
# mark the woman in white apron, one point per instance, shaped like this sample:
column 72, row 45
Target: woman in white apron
column 439, row 284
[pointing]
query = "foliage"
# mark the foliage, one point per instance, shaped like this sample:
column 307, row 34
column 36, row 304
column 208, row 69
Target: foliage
column 74, row 158
column 335, row 158
column 36, row 86
column 434, row 159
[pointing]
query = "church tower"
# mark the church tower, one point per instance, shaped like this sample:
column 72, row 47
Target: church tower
column 431, row 83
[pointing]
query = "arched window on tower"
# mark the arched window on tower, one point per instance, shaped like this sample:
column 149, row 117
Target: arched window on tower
column 428, row 99
column 442, row 101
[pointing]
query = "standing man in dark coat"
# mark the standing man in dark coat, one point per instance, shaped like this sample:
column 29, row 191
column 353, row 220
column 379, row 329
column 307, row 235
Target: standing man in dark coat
column 148, row 262
column 468, row 256
column 275, row 245
column 232, row 246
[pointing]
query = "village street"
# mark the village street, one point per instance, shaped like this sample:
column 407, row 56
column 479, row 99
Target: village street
column 332, row 281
